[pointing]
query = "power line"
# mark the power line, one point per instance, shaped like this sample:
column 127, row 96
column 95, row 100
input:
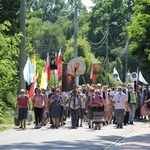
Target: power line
column 99, row 46
column 61, row 16
column 101, row 39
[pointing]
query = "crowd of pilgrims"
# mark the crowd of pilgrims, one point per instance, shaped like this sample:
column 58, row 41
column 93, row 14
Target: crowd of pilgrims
column 120, row 105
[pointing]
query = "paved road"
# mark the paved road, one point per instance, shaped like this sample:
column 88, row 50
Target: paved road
column 135, row 136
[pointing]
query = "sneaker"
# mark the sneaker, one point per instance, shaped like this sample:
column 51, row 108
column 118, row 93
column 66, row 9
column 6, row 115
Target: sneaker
column 36, row 126
column 20, row 127
column 51, row 126
column 39, row 126
column 131, row 123
column 73, row 127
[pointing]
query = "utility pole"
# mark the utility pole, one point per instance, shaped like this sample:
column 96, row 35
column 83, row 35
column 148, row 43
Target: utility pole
column 22, row 84
column 107, row 58
column 75, row 30
column 107, row 50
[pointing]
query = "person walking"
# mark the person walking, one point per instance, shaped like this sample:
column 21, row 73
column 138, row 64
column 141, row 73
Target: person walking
column 82, row 106
column 55, row 102
column 38, row 104
column 140, row 99
column 133, row 104
column 106, row 96
column 22, row 108
column 75, row 103
column 98, row 109
column 120, row 103
column 89, row 107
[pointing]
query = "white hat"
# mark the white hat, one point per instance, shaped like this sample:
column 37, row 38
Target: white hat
column 98, row 84
column 97, row 91
column 22, row 90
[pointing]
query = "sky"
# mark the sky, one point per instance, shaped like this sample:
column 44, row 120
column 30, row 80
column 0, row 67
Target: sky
column 87, row 3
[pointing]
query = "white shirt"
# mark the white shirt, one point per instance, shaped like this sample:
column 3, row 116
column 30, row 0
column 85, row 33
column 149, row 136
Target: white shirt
column 83, row 101
column 76, row 103
column 120, row 100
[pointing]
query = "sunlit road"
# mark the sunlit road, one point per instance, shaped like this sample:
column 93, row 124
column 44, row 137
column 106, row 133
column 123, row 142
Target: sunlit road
column 63, row 138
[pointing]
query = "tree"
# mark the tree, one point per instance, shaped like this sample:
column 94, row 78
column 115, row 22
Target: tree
column 51, row 9
column 138, row 32
column 103, row 14
column 9, row 10
column 9, row 64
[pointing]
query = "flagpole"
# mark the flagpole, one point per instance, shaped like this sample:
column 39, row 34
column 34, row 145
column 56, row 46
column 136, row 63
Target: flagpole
column 126, row 61
column 75, row 30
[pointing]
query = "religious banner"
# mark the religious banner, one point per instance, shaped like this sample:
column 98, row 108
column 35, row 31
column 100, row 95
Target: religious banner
column 67, row 80
column 97, row 68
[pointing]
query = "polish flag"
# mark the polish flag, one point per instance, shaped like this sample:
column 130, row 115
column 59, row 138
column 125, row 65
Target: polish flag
column 92, row 77
column 59, row 65
column 32, row 87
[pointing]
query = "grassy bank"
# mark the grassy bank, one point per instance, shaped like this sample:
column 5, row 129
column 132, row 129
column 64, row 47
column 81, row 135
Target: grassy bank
column 6, row 120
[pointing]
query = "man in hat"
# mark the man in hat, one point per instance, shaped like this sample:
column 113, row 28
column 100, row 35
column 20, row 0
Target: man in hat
column 22, row 108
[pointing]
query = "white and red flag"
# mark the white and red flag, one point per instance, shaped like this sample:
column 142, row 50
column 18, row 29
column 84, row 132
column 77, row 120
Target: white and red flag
column 32, row 87
column 92, row 76
column 47, row 69
column 59, row 64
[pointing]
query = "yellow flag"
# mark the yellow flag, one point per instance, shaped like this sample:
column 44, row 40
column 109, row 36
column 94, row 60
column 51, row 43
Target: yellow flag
column 34, row 66
column 43, row 83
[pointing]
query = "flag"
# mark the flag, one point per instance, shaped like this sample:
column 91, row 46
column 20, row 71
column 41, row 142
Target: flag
column 141, row 78
column 45, row 76
column 92, row 77
column 32, row 87
column 59, row 64
column 28, row 71
column 56, row 76
column 43, row 83
column 47, row 69
column 116, row 75
column 34, row 67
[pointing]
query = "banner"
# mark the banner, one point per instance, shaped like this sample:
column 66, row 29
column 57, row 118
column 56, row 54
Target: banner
column 97, row 68
column 67, row 80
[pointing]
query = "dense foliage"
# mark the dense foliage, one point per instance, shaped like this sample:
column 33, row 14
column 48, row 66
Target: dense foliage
column 139, row 34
